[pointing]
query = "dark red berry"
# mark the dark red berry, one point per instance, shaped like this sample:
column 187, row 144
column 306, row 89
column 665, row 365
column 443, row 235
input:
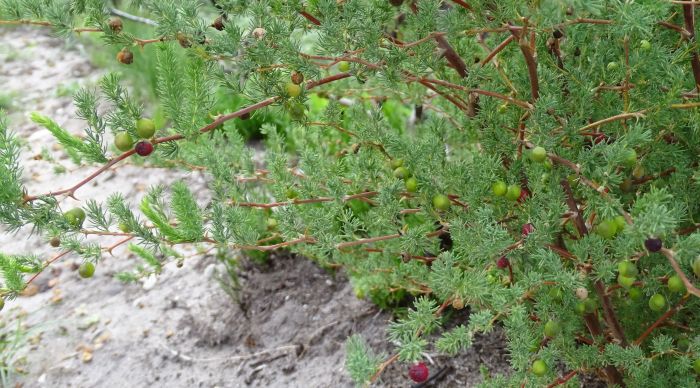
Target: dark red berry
column 418, row 372
column 527, row 229
column 557, row 34
column 144, row 148
column 523, row 195
column 653, row 244
column 218, row 23
column 503, row 262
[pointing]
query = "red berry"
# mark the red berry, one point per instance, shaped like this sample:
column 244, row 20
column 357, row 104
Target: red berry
column 418, row 372
column 527, row 229
column 144, row 148
column 523, row 195
column 502, row 262
column 653, row 244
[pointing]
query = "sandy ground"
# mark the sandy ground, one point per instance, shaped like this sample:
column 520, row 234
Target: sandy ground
column 181, row 329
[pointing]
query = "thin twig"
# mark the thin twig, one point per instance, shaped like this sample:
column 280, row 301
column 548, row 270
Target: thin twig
column 670, row 255
column 138, row 19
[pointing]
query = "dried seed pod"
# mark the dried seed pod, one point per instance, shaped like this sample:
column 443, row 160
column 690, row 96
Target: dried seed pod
column 125, row 56
column 297, row 77
column 183, row 40
column 259, row 33
column 115, row 24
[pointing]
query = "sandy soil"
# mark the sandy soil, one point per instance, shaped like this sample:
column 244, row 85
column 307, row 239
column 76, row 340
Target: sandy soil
column 181, row 329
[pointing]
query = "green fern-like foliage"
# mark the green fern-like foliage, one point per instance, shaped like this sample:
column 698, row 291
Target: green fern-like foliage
column 456, row 93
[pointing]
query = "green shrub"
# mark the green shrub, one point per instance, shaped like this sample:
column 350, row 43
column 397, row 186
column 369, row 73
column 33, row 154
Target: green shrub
column 460, row 92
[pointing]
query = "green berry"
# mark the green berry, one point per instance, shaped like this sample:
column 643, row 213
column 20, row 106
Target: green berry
column 556, row 293
column 591, row 305
column 292, row 194
column 627, row 268
column 538, row 154
column 86, row 270
column 124, row 227
column 2, row 303
column 638, row 171
column 441, row 202
column 145, row 128
column 552, row 328
column 606, row 229
column 629, row 158
column 675, row 284
column 645, row 45
column 411, row 185
column 396, row 163
column 635, row 293
column 620, row 223
column 683, row 344
column 612, row 66
column 696, row 366
column 402, row 173
column 499, row 189
column 539, row 368
column 292, row 89
column 343, row 66
column 696, row 266
column 502, row 108
column 272, row 224
column 75, row 217
column 627, row 186
column 657, row 302
column 297, row 111
column 580, row 308
column 513, row 192
column 123, row 141
column 625, row 281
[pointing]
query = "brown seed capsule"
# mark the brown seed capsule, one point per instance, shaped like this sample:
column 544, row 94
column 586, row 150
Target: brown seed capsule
column 125, row 56
column 218, row 23
column 259, row 33
column 55, row 242
column 115, row 23
column 581, row 293
column 183, row 40
column 297, row 77
column 458, row 304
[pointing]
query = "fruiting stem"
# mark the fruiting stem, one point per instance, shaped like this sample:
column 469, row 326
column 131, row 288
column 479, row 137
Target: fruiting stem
column 463, row 4
column 218, row 121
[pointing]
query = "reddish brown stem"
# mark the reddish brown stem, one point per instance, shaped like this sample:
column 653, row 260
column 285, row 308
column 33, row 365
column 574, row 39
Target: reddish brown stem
column 218, row 121
column 564, row 379
column 463, row 4
column 661, row 320
column 689, row 19
column 451, row 55
column 497, row 50
column 530, row 61
column 310, row 18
